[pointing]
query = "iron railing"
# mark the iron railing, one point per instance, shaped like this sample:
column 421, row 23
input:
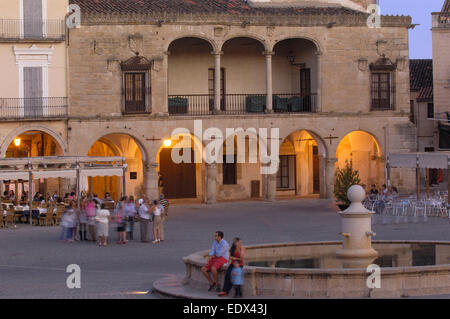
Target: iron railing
column 235, row 104
column 33, row 108
column 17, row 29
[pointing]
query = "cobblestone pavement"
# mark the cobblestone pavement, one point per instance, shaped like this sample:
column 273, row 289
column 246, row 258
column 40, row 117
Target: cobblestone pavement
column 33, row 261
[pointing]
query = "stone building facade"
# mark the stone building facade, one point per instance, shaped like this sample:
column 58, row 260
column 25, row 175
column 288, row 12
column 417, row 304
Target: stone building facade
column 441, row 73
column 336, row 89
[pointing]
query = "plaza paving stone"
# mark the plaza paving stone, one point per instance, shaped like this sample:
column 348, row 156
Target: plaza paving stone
column 33, row 261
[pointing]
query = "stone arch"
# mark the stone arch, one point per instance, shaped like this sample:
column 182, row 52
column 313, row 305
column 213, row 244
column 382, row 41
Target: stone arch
column 364, row 150
column 245, row 35
column 213, row 43
column 22, row 129
column 181, row 179
column 316, row 42
column 373, row 135
column 305, row 169
column 100, row 135
column 323, row 150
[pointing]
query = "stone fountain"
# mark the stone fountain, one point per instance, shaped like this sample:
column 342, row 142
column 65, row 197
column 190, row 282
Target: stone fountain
column 357, row 231
column 333, row 269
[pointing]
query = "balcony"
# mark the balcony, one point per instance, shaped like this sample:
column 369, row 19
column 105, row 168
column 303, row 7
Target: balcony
column 33, row 108
column 236, row 104
column 32, row 30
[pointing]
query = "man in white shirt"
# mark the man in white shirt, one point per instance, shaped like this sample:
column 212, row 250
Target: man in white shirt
column 145, row 220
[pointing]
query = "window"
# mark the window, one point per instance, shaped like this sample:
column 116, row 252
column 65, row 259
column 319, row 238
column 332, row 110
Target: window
column 33, row 104
column 283, row 172
column 136, row 84
column 229, row 169
column 382, row 85
column 411, row 112
column 305, row 87
column 32, row 19
column 135, row 92
column 382, row 91
column 430, row 110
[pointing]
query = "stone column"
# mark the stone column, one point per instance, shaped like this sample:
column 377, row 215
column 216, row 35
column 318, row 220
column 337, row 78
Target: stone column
column 165, row 84
column 217, row 86
column 318, row 107
column 269, row 92
column 330, row 162
column 269, row 185
column 150, row 180
column 211, row 183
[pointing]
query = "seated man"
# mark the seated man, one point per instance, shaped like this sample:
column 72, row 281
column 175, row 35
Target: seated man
column 218, row 256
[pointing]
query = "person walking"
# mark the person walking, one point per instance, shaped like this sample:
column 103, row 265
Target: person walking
column 130, row 213
column 144, row 220
column 71, row 221
column 218, row 256
column 157, row 211
column 102, row 217
column 83, row 220
column 90, row 214
column 165, row 216
column 237, row 253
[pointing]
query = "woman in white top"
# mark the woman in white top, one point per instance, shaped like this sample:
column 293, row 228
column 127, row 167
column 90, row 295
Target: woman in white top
column 102, row 217
column 157, row 212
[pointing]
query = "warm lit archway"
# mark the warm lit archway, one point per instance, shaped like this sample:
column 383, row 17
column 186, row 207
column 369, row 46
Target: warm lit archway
column 365, row 152
column 117, row 144
column 34, row 143
column 301, row 168
column 180, row 167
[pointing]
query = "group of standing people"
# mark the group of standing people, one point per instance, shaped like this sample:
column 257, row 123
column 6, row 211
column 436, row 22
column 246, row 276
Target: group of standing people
column 221, row 254
column 94, row 218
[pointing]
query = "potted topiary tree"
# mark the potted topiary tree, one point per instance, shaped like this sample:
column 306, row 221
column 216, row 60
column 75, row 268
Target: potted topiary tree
column 344, row 179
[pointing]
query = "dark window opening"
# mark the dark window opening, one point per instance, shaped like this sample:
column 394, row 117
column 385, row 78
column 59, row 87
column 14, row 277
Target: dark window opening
column 430, row 110
column 229, row 169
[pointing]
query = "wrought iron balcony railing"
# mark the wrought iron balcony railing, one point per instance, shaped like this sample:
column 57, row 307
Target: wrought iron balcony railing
column 235, row 104
column 36, row 30
column 33, row 108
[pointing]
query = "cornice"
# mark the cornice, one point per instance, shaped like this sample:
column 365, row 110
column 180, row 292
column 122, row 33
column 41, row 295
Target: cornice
column 354, row 19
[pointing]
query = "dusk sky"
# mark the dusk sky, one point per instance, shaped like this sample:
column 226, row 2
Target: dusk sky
column 420, row 44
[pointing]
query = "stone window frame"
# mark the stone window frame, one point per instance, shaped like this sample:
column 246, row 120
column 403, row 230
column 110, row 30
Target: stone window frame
column 137, row 64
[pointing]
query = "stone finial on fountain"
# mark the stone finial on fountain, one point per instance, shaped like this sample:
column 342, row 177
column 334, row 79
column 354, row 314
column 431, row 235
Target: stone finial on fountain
column 357, row 228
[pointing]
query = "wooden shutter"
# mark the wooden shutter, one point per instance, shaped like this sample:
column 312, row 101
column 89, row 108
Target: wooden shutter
column 32, row 16
column 381, row 91
column 135, row 92
column 32, row 91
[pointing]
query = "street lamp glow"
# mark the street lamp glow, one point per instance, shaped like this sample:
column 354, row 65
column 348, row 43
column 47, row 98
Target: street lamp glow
column 167, row 143
column 17, row 142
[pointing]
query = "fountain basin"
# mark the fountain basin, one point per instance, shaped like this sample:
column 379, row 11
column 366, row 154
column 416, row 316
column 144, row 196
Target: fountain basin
column 408, row 268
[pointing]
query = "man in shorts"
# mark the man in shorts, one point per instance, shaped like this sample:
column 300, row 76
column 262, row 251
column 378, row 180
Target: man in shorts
column 218, row 256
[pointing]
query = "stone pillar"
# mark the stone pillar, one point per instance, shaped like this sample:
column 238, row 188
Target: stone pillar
column 318, row 107
column 330, row 162
column 211, row 183
column 165, row 84
column 217, row 86
column 150, row 180
column 269, row 186
column 268, row 54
